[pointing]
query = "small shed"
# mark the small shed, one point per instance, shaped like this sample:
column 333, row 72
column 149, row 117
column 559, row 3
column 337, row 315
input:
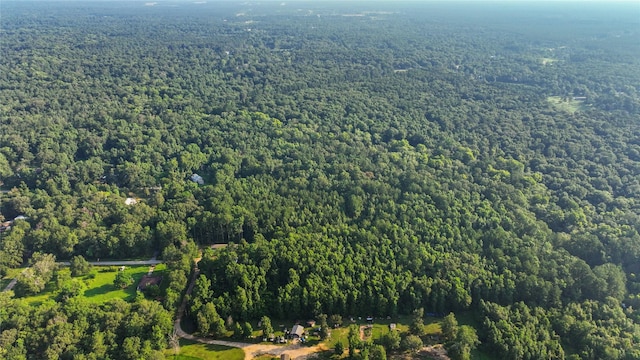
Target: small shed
column 147, row 281
column 297, row 331
column 311, row 323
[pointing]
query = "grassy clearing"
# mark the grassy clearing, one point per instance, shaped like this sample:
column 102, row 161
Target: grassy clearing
column 432, row 328
column 566, row 105
column 548, row 61
column 98, row 285
column 380, row 328
column 101, row 288
column 190, row 350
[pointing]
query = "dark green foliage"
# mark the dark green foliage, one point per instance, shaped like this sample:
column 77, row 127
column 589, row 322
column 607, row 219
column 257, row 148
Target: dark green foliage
column 411, row 343
column 449, row 327
column 377, row 352
column 417, row 322
column 79, row 266
column 446, row 157
column 114, row 330
column 247, row 329
column 335, row 320
column 324, row 326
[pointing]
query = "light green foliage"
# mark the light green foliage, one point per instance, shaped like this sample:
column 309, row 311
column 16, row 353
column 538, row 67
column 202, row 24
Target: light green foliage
column 123, row 279
column 190, row 350
column 12, row 246
column 464, row 342
column 353, row 340
column 34, row 279
column 265, row 326
column 391, row 340
column 121, row 330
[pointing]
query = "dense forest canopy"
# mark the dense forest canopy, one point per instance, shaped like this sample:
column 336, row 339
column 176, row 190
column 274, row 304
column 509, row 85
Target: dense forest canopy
column 359, row 158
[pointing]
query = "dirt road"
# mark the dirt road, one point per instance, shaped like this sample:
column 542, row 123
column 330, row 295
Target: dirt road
column 251, row 351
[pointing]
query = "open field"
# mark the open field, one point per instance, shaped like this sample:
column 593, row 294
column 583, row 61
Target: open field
column 380, row 327
column 567, row 105
column 98, row 286
column 190, row 350
column 101, row 288
column 548, row 61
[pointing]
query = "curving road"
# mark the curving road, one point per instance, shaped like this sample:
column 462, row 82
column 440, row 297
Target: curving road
column 251, row 351
column 296, row 351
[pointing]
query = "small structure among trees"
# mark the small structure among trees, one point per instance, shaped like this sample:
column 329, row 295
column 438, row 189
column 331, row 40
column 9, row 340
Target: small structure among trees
column 297, row 331
column 149, row 280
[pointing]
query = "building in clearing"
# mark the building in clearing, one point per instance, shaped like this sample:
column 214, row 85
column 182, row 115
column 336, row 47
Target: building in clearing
column 297, row 331
column 311, row 323
column 147, row 281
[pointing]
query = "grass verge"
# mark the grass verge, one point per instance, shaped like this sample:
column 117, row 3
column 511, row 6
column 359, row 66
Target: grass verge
column 190, row 350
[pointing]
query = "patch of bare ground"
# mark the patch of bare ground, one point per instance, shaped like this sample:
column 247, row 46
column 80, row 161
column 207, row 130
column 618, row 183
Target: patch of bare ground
column 296, row 352
column 432, row 352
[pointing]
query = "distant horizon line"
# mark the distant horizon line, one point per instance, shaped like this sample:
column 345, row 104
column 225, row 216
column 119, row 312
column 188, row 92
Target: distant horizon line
column 284, row 2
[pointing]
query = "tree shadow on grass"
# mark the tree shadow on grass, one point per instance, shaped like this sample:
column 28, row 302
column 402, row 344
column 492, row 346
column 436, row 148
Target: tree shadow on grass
column 101, row 290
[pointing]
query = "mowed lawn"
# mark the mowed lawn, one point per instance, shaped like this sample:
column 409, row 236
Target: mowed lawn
column 380, row 327
column 101, row 288
column 98, row 286
column 190, row 350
